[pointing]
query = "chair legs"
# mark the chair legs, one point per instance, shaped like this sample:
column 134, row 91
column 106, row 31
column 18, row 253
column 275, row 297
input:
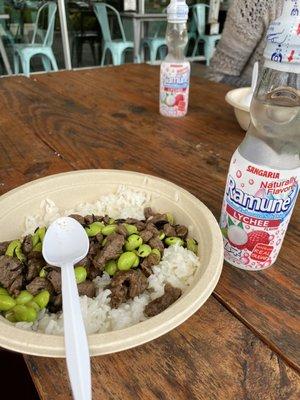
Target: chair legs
column 25, row 62
column 209, row 48
column 195, row 47
column 103, row 56
column 153, row 52
column 46, row 63
column 116, row 58
column 16, row 63
column 48, row 60
column 52, row 58
column 155, row 48
column 162, row 52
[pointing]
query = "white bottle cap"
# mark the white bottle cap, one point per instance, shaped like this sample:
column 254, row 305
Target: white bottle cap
column 177, row 11
column 283, row 40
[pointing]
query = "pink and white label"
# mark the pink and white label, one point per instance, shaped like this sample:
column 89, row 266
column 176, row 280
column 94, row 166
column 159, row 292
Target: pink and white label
column 256, row 210
column 174, row 88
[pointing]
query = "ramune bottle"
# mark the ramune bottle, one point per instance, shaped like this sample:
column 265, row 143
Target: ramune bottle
column 175, row 70
column 263, row 180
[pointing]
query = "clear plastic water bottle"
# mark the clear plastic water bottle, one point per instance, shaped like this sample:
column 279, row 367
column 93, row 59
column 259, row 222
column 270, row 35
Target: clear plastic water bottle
column 263, row 180
column 175, row 70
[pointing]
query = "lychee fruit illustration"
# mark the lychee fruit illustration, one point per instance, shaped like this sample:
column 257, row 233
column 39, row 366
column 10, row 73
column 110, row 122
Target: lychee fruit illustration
column 256, row 237
column 170, row 100
column 237, row 237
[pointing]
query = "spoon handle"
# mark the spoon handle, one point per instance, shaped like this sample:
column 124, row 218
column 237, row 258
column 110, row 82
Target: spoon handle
column 76, row 344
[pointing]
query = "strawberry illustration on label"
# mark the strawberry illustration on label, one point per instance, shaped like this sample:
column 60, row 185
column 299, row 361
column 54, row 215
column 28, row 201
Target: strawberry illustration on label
column 181, row 106
column 256, row 237
column 179, row 98
column 291, row 56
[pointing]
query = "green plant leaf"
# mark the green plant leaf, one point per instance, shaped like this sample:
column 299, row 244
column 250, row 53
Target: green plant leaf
column 230, row 222
column 240, row 224
column 224, row 232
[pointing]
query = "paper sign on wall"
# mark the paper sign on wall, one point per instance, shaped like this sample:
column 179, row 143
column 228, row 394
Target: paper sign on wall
column 129, row 5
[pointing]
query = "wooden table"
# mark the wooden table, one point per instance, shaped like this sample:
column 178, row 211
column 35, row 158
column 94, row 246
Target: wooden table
column 244, row 342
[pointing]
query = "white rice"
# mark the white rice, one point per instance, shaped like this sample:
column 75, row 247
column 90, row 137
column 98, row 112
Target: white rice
column 177, row 267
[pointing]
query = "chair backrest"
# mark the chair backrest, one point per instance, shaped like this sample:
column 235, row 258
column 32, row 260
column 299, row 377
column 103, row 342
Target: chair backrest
column 199, row 15
column 101, row 11
column 51, row 8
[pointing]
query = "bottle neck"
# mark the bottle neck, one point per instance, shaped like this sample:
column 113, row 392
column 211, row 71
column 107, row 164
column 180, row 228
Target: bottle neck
column 273, row 138
column 176, row 38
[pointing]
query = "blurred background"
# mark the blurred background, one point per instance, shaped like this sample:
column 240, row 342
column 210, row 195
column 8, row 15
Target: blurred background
column 19, row 23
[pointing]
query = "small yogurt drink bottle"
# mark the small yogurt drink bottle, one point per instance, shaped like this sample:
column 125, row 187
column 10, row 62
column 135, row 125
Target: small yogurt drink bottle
column 175, row 70
column 263, row 180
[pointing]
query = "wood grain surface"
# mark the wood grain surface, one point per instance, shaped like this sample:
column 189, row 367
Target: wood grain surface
column 212, row 356
column 108, row 118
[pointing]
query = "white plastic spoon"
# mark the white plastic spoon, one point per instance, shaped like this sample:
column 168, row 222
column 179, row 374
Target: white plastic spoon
column 65, row 244
column 248, row 98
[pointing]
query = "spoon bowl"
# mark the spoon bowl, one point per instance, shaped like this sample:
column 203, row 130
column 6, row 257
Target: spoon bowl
column 65, row 241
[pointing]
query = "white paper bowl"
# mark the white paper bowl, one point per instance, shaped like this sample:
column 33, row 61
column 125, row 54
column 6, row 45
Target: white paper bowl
column 234, row 98
column 69, row 189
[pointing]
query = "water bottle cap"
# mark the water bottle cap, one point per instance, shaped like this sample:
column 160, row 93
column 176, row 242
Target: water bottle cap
column 283, row 40
column 177, row 11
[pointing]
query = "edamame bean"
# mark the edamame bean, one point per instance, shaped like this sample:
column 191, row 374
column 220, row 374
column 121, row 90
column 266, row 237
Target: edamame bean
column 111, row 267
column 24, row 313
column 137, row 261
column 126, row 260
column 38, row 247
column 109, row 229
column 31, row 314
column 192, row 245
column 131, row 229
column 133, row 242
column 170, row 218
column 20, row 312
column 19, row 253
column 43, row 273
column 162, row 235
column 170, row 241
column 3, row 291
column 41, row 233
column 111, row 221
column 34, row 305
column 157, row 253
column 80, row 274
column 10, row 316
column 104, row 241
column 35, row 238
column 42, row 299
column 6, row 302
column 23, row 297
column 94, row 228
column 144, row 250
column 12, row 247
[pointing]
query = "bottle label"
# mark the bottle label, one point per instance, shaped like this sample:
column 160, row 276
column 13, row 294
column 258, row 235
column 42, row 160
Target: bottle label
column 174, row 88
column 256, row 210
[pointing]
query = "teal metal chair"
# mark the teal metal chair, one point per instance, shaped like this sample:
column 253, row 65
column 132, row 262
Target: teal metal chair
column 25, row 51
column 117, row 47
column 199, row 14
column 155, row 41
